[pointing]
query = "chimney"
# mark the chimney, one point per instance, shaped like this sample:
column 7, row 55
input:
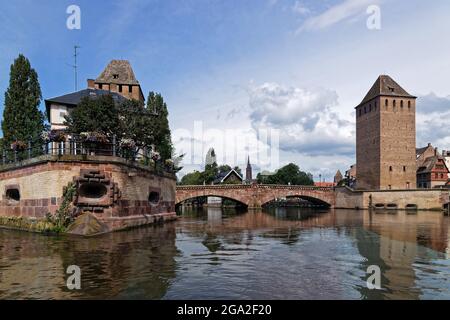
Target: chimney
column 429, row 144
column 91, row 83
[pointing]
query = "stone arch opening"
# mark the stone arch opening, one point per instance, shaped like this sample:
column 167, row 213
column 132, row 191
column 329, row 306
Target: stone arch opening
column 13, row 194
column 92, row 190
column 313, row 201
column 153, row 197
column 202, row 199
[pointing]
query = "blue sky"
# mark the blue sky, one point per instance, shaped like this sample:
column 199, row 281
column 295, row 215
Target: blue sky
column 295, row 66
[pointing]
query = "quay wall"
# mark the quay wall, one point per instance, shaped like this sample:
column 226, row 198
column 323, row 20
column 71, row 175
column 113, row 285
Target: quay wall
column 421, row 199
column 117, row 192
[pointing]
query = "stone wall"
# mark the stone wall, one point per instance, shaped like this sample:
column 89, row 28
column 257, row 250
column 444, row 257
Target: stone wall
column 124, row 189
column 421, row 199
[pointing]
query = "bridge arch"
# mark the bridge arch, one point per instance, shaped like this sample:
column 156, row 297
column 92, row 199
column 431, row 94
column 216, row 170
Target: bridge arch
column 257, row 195
column 313, row 200
column 181, row 200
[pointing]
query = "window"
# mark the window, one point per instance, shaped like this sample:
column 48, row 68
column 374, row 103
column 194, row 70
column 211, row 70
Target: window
column 100, row 86
column 386, row 102
column 360, row 112
column 370, row 107
column 409, row 104
column 130, row 88
column 120, row 88
column 115, row 76
column 365, row 110
column 407, row 185
column 401, row 104
column 394, row 103
column 442, row 176
column 390, row 168
column 404, row 168
column 389, row 187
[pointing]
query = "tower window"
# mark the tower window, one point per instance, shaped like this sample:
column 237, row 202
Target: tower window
column 390, row 168
column 394, row 103
column 365, row 110
column 130, row 89
column 100, row 86
column 409, row 104
column 404, row 168
column 115, row 76
column 360, row 112
column 370, row 107
column 120, row 88
column 386, row 102
column 401, row 104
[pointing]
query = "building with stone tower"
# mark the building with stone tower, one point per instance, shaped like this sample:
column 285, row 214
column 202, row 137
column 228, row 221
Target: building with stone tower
column 386, row 137
column 117, row 80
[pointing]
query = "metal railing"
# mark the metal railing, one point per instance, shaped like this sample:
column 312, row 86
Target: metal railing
column 74, row 146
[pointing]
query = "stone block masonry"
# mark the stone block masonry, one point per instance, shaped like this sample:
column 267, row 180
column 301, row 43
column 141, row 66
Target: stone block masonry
column 117, row 192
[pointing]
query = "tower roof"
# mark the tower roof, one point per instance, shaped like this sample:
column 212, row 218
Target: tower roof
column 385, row 86
column 118, row 71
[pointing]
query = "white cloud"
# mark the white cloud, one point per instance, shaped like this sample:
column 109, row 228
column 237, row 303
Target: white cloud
column 300, row 8
column 305, row 117
column 433, row 121
column 347, row 9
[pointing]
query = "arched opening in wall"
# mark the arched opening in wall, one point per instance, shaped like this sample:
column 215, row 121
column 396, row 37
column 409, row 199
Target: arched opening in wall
column 297, row 201
column 411, row 207
column 13, row 194
column 227, row 205
column 379, row 206
column 153, row 198
column 392, row 206
column 92, row 190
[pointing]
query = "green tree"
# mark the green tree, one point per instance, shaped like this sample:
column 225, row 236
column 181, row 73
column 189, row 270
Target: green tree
column 289, row 174
column 192, row 179
column 136, row 123
column 160, row 126
column 22, row 119
column 210, row 173
column 99, row 114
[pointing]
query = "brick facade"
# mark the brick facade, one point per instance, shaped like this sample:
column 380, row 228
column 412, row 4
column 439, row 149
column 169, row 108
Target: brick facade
column 386, row 138
column 123, row 189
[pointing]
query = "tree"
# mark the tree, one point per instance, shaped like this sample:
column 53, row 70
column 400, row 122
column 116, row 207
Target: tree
column 289, row 174
column 160, row 126
column 22, row 119
column 99, row 114
column 192, row 179
column 136, row 123
column 211, row 172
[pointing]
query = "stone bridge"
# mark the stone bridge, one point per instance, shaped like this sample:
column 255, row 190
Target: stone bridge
column 256, row 195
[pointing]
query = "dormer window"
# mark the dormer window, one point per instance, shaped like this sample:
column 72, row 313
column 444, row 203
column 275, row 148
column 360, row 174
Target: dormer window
column 391, row 89
column 115, row 76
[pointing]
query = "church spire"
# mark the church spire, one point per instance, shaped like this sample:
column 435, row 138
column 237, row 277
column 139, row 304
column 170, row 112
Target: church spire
column 248, row 171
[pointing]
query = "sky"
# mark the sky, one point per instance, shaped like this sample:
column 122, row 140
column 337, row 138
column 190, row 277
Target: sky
column 276, row 80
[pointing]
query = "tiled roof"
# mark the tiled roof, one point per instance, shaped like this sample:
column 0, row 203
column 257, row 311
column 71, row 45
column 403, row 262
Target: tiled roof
column 74, row 98
column 385, row 86
column 118, row 71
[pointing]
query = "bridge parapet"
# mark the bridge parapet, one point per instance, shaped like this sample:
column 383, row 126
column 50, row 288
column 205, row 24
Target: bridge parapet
column 256, row 195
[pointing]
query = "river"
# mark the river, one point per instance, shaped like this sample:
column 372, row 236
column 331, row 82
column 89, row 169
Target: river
column 213, row 253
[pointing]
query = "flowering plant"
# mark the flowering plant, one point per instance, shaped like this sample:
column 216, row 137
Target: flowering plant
column 93, row 137
column 127, row 144
column 18, row 145
column 54, row 136
column 155, row 156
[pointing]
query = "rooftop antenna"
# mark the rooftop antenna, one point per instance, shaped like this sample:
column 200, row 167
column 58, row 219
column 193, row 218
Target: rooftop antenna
column 75, row 67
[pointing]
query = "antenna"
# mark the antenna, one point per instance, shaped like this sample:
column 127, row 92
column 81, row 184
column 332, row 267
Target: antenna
column 75, row 67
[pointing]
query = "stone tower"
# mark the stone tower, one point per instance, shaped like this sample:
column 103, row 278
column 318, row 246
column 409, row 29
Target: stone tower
column 338, row 177
column 386, row 137
column 119, row 77
column 248, row 171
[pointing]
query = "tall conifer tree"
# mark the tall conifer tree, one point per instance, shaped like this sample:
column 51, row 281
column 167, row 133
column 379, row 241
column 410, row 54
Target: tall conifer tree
column 161, row 129
column 22, row 119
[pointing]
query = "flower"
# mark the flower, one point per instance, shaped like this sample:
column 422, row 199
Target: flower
column 18, row 145
column 155, row 156
column 127, row 143
column 93, row 137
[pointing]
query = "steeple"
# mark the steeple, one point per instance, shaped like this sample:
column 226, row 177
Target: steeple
column 248, row 171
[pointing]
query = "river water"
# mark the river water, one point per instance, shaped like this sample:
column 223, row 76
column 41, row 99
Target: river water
column 223, row 254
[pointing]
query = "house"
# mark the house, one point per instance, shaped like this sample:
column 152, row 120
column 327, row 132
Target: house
column 423, row 153
column 432, row 172
column 350, row 176
column 446, row 155
column 230, row 177
column 338, row 177
column 117, row 79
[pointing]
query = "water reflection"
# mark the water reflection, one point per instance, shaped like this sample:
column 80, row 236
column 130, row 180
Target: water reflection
column 282, row 253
